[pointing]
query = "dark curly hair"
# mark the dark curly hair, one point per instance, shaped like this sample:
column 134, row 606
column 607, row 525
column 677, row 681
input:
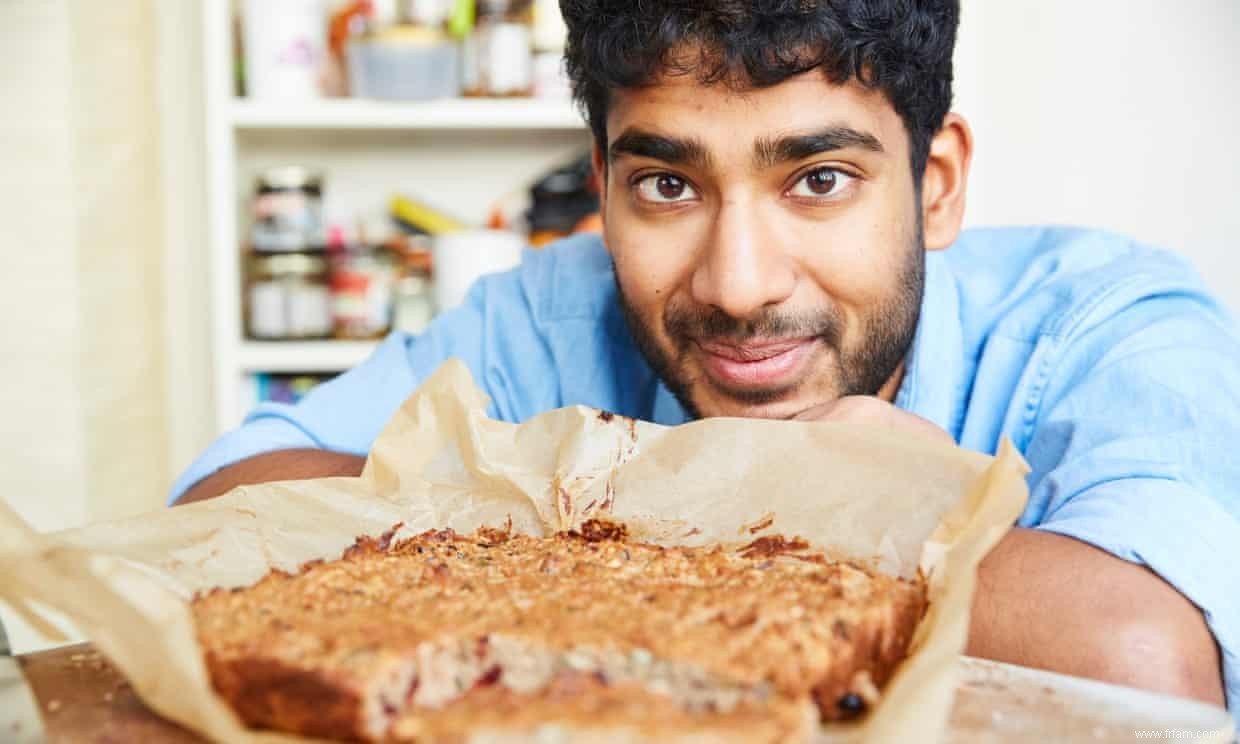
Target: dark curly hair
column 902, row 48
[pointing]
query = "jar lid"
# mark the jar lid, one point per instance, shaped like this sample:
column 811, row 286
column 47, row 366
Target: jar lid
column 409, row 36
column 501, row 7
column 290, row 178
column 290, row 264
column 413, row 284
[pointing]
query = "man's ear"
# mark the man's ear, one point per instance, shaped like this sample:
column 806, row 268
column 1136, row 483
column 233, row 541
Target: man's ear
column 945, row 182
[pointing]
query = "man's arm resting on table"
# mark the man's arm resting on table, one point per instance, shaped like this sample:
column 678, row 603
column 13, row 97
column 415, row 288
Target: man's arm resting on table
column 294, row 464
column 1048, row 601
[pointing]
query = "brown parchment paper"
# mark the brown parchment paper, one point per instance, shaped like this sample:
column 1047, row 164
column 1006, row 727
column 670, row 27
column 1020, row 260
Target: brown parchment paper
column 902, row 503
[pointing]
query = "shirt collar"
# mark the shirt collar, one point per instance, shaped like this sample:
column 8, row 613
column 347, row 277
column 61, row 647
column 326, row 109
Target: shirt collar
column 667, row 410
column 932, row 386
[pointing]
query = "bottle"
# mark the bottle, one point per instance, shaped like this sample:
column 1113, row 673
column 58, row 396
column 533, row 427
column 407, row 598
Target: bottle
column 362, row 275
column 550, row 79
column 413, row 300
column 498, row 56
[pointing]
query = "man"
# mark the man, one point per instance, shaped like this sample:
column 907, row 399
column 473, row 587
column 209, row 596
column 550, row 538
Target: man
column 783, row 187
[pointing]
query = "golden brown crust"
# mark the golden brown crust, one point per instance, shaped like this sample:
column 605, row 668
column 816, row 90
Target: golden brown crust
column 340, row 648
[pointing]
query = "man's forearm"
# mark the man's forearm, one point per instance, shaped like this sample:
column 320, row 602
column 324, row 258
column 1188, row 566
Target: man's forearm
column 274, row 466
column 1052, row 602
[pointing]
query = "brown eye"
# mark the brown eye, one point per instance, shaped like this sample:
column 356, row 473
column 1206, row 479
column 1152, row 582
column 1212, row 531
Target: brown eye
column 664, row 188
column 670, row 187
column 822, row 182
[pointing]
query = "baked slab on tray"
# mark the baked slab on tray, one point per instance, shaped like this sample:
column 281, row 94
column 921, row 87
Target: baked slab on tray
column 445, row 637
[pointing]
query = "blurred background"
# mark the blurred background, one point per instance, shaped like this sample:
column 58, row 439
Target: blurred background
column 204, row 203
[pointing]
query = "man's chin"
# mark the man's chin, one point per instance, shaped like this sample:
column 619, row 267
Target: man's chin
column 784, row 404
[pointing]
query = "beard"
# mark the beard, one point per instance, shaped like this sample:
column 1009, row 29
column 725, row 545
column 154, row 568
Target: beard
column 886, row 335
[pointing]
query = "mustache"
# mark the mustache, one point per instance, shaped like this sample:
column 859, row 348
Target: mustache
column 686, row 324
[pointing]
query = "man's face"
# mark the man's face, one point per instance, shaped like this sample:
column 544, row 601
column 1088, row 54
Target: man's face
column 767, row 242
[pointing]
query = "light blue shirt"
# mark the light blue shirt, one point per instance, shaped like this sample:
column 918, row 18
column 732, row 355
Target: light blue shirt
column 1106, row 362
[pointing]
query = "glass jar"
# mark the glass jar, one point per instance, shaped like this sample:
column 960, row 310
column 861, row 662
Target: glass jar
column 361, row 291
column 288, row 211
column 413, row 306
column 498, row 54
column 289, row 297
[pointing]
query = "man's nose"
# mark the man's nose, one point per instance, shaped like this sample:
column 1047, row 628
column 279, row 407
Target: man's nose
column 743, row 268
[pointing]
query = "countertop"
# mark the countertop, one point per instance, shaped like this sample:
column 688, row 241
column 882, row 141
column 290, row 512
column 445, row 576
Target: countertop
column 80, row 697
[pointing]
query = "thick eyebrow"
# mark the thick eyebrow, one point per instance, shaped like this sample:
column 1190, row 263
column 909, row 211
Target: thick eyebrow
column 673, row 150
column 768, row 152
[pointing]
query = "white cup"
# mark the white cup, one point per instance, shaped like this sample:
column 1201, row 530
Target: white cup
column 285, row 48
column 461, row 258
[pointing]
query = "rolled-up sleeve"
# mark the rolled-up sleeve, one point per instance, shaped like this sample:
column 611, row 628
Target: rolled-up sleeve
column 1133, row 451
column 344, row 414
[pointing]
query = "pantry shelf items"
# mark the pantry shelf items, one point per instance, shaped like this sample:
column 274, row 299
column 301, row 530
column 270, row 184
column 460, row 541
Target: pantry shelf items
column 457, row 156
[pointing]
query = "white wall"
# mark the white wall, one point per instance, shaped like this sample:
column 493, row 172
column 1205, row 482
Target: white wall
column 187, row 326
column 1123, row 114
column 82, row 405
column 41, row 435
column 82, row 435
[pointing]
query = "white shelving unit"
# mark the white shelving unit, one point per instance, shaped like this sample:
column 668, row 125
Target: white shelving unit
column 302, row 356
column 459, row 155
column 452, row 114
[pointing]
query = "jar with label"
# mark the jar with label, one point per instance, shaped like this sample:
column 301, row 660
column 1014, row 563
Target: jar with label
column 289, row 297
column 288, row 211
column 361, row 291
column 498, row 56
column 413, row 304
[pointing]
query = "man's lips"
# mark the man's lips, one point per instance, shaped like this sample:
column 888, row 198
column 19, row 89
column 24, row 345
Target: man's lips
column 756, row 365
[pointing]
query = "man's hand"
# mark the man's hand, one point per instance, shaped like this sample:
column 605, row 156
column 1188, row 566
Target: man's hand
column 1048, row 601
column 864, row 409
column 274, row 466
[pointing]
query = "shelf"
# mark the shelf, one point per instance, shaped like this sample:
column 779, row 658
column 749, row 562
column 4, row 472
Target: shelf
column 447, row 113
column 303, row 356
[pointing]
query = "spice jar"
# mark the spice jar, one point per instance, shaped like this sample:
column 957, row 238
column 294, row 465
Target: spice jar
column 361, row 291
column 289, row 297
column 498, row 58
column 288, row 211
